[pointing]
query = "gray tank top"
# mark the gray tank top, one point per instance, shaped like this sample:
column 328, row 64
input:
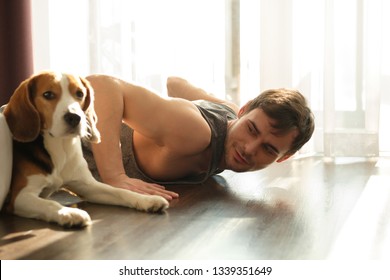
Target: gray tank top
column 216, row 115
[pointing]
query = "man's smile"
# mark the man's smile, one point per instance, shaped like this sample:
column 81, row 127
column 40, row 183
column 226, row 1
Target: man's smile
column 240, row 158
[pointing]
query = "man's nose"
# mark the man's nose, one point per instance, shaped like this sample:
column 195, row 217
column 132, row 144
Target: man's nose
column 252, row 147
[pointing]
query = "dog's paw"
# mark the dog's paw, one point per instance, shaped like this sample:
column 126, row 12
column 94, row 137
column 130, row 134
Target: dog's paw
column 153, row 204
column 73, row 217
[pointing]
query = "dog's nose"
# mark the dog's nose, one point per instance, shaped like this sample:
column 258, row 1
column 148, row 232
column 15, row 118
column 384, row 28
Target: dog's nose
column 72, row 119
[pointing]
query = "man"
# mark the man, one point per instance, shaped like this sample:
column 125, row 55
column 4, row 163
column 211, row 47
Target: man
column 176, row 140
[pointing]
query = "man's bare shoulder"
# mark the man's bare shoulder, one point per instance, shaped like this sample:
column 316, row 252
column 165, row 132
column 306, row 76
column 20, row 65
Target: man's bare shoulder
column 187, row 131
column 174, row 123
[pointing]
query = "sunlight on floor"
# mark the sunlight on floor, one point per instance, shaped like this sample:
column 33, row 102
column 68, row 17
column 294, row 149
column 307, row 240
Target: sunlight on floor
column 366, row 233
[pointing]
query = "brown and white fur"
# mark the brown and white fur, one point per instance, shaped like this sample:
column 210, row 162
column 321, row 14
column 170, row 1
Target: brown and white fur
column 47, row 115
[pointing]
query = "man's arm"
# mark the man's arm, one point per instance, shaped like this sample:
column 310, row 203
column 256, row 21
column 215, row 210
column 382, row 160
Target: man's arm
column 178, row 87
column 114, row 100
column 172, row 124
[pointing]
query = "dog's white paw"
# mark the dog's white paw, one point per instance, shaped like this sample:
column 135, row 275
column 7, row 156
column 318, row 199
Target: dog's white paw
column 73, row 217
column 152, row 203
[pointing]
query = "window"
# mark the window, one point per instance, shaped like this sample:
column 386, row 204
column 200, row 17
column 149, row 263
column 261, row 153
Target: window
column 334, row 52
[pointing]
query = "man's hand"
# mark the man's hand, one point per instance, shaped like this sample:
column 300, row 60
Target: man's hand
column 139, row 186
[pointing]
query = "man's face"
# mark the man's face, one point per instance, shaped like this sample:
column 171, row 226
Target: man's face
column 252, row 143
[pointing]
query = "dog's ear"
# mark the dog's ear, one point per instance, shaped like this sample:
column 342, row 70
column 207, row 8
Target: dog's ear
column 88, row 108
column 22, row 117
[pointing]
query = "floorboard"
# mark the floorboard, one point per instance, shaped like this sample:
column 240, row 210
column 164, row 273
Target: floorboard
column 304, row 208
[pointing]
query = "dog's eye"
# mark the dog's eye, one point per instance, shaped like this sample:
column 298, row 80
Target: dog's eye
column 79, row 94
column 48, row 95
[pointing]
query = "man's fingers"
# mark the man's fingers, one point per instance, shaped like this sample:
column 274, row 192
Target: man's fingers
column 142, row 187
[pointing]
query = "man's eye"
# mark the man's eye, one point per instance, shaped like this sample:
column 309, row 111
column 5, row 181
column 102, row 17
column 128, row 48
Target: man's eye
column 251, row 129
column 270, row 150
column 48, row 95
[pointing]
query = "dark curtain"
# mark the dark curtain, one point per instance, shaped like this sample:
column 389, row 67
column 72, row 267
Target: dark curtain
column 16, row 56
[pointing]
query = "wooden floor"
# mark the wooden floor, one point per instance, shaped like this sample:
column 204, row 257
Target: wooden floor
column 306, row 208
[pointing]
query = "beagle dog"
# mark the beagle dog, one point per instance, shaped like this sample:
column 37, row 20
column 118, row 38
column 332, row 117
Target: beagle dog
column 48, row 114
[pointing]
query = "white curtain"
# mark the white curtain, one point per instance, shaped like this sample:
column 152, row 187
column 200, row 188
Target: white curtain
column 334, row 52
column 140, row 40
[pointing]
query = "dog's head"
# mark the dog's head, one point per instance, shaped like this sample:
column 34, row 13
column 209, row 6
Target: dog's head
column 57, row 104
